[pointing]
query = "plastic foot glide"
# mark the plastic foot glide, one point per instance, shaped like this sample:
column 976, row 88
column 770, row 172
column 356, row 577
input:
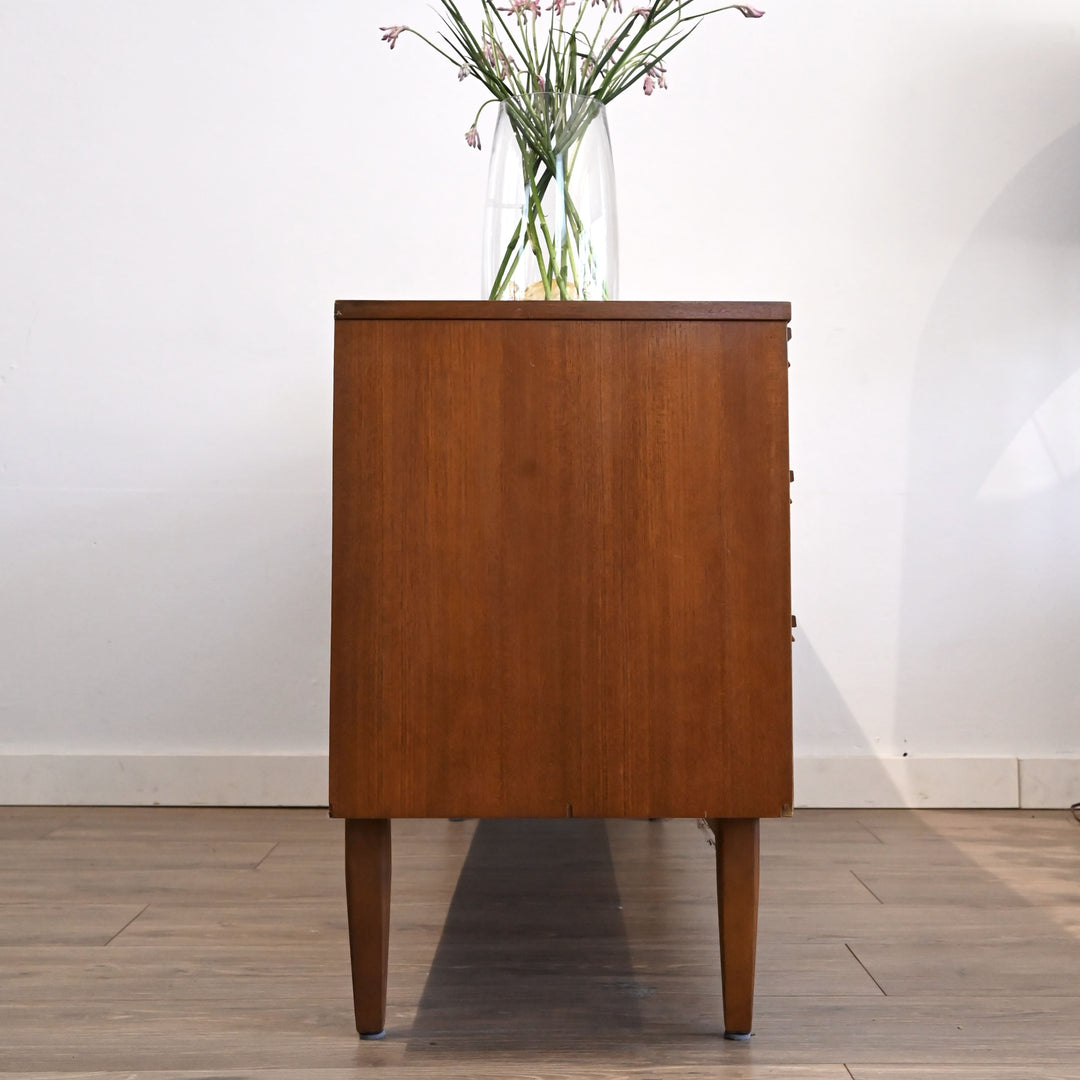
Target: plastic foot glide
column 369, row 1036
column 738, row 1036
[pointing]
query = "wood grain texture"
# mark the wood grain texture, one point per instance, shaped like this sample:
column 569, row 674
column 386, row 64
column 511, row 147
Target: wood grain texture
column 1042, row 1071
column 1041, row 969
column 737, row 863
column 60, row 855
column 121, row 824
column 70, row 923
column 502, row 1070
column 243, row 976
column 560, row 566
column 634, row 950
column 367, row 892
column 619, row 310
column 33, row 822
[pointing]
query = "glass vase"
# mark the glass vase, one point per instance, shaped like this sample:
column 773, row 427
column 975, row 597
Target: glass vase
column 550, row 230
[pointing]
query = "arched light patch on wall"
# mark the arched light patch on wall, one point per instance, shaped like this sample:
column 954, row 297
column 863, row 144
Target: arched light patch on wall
column 1044, row 453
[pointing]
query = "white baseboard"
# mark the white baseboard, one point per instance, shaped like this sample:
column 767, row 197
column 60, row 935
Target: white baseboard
column 962, row 782
column 1049, row 783
column 163, row 780
column 301, row 780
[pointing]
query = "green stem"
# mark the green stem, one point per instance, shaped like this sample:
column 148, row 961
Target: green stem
column 549, row 130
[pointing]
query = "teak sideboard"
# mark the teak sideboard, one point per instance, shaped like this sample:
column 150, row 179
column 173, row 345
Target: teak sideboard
column 561, row 566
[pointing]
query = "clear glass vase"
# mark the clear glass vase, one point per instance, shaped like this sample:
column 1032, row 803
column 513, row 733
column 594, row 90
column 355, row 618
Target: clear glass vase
column 550, row 230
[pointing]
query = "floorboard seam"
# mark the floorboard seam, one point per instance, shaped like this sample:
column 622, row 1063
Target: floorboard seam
column 867, row 970
column 47, row 835
column 273, row 848
column 867, row 887
column 126, row 925
column 874, row 835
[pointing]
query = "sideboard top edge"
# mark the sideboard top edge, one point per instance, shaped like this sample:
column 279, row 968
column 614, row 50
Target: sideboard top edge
column 640, row 310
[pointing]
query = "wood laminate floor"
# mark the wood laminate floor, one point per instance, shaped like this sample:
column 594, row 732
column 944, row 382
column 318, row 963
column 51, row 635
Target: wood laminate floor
column 185, row 944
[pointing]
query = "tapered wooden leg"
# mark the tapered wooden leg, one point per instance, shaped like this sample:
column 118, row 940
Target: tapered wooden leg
column 367, row 891
column 737, row 848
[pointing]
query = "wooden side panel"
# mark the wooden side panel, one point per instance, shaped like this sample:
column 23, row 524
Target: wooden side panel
column 560, row 569
column 697, row 608
column 468, row 568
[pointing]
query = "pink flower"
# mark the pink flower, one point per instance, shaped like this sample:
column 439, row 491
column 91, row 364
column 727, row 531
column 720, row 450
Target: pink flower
column 518, row 7
column 654, row 77
column 749, row 12
column 392, row 33
column 462, row 73
column 472, row 137
column 559, row 6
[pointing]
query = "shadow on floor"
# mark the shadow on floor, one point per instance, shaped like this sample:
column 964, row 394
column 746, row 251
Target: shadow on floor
column 534, row 940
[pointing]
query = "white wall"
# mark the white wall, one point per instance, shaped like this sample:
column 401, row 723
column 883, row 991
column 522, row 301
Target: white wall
column 185, row 187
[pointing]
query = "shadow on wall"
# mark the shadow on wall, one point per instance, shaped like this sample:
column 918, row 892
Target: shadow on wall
column 991, row 573
column 820, row 708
